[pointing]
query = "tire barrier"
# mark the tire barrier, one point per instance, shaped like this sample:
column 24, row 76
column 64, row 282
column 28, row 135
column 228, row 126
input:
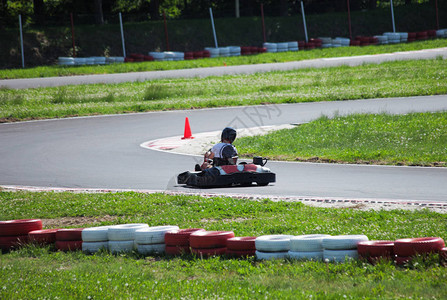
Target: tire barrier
column 374, row 251
column 19, row 227
column 93, row 60
column 43, row 236
column 342, row 247
column 177, row 241
column 171, row 240
column 241, row 246
column 95, row 239
column 122, row 237
column 69, row 239
column 417, row 246
column 158, row 56
column 272, row 246
column 308, row 247
column 14, row 233
column 93, row 247
column 214, row 52
column 339, row 256
column 151, row 240
column 270, row 47
column 209, row 243
column 209, row 239
column 69, row 245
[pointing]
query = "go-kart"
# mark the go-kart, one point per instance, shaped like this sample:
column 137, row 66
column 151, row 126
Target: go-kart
column 243, row 174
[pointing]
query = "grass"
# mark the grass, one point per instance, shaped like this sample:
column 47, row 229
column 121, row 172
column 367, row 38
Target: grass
column 392, row 79
column 39, row 272
column 414, row 139
column 48, row 71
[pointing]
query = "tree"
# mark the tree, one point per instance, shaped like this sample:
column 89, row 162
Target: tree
column 99, row 16
column 39, row 11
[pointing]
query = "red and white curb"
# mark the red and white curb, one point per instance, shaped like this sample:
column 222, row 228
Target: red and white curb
column 304, row 199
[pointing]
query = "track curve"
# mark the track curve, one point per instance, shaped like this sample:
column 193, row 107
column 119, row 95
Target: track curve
column 104, row 152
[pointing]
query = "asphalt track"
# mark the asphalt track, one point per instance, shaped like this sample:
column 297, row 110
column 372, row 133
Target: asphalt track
column 220, row 71
column 104, row 152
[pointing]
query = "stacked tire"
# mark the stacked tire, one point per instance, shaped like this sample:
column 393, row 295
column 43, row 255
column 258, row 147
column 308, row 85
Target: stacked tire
column 177, row 241
column 95, row 239
column 406, row 249
column 374, row 251
column 271, row 47
column 158, row 56
column 214, row 52
column 293, row 46
column 69, row 239
column 14, row 233
column 151, row 240
column 241, row 246
column 273, row 246
column 122, row 237
column 43, row 237
column 209, row 243
column 307, row 247
column 342, row 247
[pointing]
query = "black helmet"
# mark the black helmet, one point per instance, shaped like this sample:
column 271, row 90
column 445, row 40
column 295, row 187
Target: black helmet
column 228, row 134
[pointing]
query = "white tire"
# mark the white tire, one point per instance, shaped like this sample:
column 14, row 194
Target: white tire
column 95, row 234
column 121, row 246
column 273, row 243
column 316, row 256
column 124, row 232
column 343, row 242
column 93, row 247
column 271, row 255
column 307, row 243
column 151, row 249
column 153, row 235
column 339, row 255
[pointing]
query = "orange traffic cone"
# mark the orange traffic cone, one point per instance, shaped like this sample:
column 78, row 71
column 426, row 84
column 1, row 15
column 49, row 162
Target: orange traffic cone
column 187, row 134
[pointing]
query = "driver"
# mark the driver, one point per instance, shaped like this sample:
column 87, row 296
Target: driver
column 223, row 153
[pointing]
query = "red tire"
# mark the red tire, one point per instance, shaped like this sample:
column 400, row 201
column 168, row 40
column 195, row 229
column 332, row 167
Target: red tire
column 180, row 237
column 376, row 249
column 241, row 243
column 71, row 234
column 177, row 250
column 19, row 227
column 401, row 260
column 209, row 251
column 10, row 242
column 69, row 245
column 413, row 246
column 210, row 239
column 240, row 253
column 43, row 237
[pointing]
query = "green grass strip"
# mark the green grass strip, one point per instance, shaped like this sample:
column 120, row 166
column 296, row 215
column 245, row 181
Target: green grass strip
column 413, row 139
column 393, row 79
column 49, row 71
column 39, row 272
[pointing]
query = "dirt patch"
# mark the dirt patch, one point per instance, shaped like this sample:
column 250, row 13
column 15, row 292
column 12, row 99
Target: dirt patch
column 76, row 221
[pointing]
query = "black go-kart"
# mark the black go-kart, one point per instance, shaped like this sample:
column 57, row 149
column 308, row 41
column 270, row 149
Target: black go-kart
column 243, row 174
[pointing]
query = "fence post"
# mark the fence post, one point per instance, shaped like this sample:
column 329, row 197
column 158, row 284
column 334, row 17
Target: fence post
column 166, row 31
column 122, row 35
column 437, row 15
column 263, row 23
column 214, row 29
column 349, row 20
column 392, row 15
column 304, row 21
column 72, row 35
column 21, row 41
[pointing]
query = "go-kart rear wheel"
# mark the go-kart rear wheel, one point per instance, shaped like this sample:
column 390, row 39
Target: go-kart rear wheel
column 262, row 183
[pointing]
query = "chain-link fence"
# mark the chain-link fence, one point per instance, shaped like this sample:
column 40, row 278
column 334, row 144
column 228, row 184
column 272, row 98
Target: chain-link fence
column 44, row 43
